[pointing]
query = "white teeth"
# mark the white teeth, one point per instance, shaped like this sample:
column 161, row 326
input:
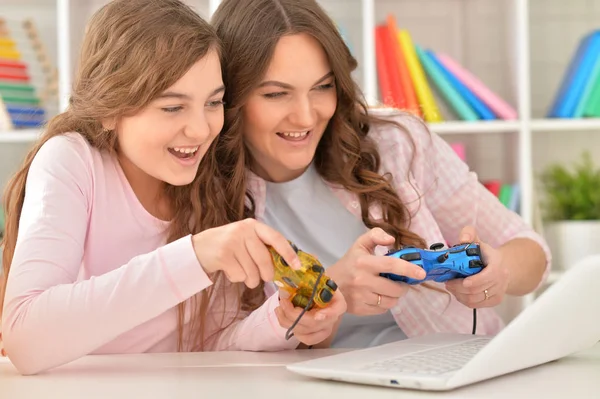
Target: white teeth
column 295, row 134
column 186, row 150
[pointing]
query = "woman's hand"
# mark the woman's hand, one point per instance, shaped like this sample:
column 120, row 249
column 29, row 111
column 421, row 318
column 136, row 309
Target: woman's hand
column 357, row 275
column 486, row 288
column 317, row 324
column 240, row 250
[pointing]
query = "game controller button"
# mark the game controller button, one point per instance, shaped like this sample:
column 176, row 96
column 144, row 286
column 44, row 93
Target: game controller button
column 331, row 284
column 411, row 256
column 436, row 246
column 473, row 264
column 473, row 251
column 294, row 247
column 289, row 282
column 443, row 257
column 326, row 296
column 317, row 269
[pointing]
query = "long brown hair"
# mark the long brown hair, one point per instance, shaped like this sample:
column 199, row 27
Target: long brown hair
column 133, row 50
column 345, row 155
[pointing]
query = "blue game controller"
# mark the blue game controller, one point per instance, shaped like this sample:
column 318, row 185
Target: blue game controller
column 440, row 264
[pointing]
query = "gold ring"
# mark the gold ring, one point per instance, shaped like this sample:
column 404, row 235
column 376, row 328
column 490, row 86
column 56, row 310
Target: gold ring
column 378, row 299
column 485, row 292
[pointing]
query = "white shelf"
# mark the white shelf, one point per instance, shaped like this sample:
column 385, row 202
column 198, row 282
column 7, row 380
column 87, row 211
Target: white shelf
column 19, row 136
column 565, row 125
column 485, row 127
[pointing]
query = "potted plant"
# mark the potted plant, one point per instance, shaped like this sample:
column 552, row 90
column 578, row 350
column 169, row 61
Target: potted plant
column 571, row 210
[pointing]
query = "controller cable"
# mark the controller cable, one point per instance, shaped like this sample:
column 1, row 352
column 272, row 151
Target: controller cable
column 289, row 334
column 474, row 320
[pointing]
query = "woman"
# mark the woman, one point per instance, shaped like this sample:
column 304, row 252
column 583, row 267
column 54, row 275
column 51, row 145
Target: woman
column 345, row 184
column 123, row 229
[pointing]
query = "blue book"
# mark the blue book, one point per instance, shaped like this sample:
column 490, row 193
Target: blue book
column 578, row 73
column 482, row 110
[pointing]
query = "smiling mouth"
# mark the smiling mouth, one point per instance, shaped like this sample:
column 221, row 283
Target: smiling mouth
column 294, row 136
column 184, row 152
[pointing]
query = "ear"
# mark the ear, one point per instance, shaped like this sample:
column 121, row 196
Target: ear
column 109, row 124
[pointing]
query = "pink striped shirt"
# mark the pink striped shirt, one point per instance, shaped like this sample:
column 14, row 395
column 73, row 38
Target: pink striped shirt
column 91, row 272
column 451, row 198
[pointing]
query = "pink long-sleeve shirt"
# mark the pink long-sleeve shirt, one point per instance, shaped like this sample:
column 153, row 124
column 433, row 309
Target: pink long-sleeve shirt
column 91, row 273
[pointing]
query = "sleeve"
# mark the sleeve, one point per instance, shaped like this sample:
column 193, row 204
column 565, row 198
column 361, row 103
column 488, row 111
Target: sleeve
column 256, row 331
column 455, row 196
column 50, row 318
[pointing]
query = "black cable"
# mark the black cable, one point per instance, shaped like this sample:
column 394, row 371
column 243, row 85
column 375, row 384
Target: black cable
column 474, row 320
column 289, row 334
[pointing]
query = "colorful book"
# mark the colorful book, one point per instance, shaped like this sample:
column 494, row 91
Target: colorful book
column 430, row 110
column 408, row 90
column 449, row 93
column 576, row 76
column 383, row 76
column 482, row 110
column 592, row 107
column 493, row 101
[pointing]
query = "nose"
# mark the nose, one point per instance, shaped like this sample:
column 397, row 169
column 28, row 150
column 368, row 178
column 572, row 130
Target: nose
column 197, row 128
column 304, row 113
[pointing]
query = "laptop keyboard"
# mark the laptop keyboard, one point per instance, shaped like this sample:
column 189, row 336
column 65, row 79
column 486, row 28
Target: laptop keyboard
column 432, row 361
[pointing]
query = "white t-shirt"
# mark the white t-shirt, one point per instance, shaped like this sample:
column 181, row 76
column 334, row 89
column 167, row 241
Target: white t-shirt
column 306, row 212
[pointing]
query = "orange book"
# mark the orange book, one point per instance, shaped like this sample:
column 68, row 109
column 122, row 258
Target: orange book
column 385, row 87
column 410, row 97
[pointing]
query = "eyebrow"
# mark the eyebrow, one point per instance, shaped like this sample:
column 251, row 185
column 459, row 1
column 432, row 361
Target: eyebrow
column 288, row 86
column 182, row 96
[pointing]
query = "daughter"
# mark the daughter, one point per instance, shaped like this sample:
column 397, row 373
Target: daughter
column 117, row 236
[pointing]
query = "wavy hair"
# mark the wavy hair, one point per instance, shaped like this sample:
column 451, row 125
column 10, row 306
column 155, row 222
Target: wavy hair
column 345, row 155
column 133, row 50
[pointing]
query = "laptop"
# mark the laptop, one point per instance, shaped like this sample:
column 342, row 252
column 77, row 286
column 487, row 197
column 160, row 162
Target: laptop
column 563, row 320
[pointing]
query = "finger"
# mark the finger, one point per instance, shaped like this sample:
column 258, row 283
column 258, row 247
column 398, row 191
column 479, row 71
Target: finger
column 468, row 234
column 382, row 301
column 484, row 278
column 336, row 308
column 252, row 276
column 261, row 257
column 234, row 271
column 389, row 264
column 282, row 246
column 371, row 239
column 477, row 299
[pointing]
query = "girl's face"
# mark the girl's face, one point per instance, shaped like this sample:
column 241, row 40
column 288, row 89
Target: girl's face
column 166, row 140
column 287, row 113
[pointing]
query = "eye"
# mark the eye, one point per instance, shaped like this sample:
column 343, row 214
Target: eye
column 275, row 95
column 172, row 109
column 215, row 103
column 326, row 86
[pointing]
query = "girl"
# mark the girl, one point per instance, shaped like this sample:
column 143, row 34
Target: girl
column 342, row 183
column 117, row 236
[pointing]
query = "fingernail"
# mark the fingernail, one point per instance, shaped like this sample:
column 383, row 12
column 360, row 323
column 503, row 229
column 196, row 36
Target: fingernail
column 465, row 238
column 421, row 273
column 297, row 264
column 320, row 316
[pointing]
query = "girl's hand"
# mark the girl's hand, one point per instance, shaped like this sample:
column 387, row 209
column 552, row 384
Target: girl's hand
column 240, row 250
column 316, row 325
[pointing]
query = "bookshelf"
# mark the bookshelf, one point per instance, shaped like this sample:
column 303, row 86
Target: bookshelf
column 519, row 48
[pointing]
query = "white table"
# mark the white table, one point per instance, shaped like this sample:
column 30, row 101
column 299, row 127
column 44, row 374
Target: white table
column 263, row 375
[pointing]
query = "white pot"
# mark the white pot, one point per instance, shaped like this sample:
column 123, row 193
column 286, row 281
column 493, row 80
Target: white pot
column 571, row 241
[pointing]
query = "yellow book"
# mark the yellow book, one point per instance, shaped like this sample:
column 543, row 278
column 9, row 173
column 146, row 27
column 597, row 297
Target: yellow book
column 8, row 54
column 431, row 113
column 7, row 44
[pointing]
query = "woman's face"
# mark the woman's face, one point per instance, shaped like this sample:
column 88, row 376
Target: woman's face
column 287, row 113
